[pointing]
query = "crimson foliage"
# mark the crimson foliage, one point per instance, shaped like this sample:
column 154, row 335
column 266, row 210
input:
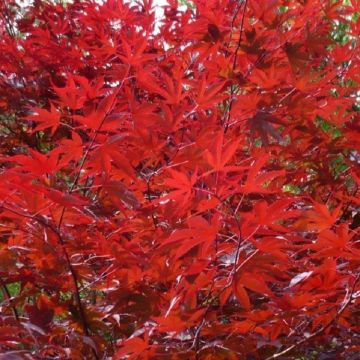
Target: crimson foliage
column 182, row 187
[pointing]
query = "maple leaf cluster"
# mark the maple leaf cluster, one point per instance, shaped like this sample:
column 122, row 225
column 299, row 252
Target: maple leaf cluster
column 179, row 187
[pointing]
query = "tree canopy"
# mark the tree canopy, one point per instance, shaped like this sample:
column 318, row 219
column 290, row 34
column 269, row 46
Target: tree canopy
column 183, row 186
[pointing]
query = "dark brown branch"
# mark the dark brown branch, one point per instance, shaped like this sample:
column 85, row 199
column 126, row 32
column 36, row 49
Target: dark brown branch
column 58, row 230
column 82, row 163
column 41, row 220
column 346, row 303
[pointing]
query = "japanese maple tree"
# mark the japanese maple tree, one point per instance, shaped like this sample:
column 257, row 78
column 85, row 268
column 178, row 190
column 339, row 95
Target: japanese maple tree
column 179, row 184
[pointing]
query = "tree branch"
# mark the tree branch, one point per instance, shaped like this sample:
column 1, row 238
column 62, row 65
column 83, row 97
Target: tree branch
column 346, row 302
column 226, row 122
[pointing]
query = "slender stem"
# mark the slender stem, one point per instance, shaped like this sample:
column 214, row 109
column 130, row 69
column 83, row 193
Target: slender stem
column 346, row 303
column 234, row 65
column 70, row 268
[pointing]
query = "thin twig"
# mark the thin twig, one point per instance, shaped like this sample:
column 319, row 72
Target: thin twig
column 87, row 151
column 41, row 220
column 234, row 66
column 345, row 304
